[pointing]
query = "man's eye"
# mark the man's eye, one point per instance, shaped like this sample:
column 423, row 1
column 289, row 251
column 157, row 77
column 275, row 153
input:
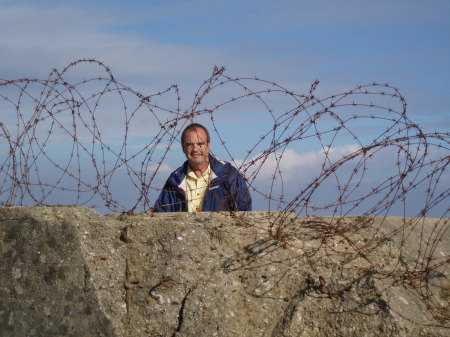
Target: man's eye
column 200, row 144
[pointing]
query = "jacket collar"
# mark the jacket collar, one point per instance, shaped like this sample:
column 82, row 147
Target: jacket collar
column 217, row 170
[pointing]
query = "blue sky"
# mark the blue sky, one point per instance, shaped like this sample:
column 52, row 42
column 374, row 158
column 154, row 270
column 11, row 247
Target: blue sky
column 349, row 41
column 150, row 45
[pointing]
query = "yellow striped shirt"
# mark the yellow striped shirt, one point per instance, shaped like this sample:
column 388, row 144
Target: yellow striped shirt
column 196, row 188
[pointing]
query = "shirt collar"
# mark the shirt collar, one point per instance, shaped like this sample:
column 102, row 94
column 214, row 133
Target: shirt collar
column 206, row 174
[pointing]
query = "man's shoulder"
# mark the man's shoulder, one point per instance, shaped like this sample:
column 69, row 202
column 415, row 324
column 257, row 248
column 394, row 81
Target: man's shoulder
column 222, row 167
column 178, row 174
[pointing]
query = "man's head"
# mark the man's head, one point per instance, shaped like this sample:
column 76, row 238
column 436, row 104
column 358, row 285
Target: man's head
column 196, row 142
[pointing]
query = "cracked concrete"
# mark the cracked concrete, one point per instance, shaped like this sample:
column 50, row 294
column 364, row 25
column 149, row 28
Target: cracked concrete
column 73, row 272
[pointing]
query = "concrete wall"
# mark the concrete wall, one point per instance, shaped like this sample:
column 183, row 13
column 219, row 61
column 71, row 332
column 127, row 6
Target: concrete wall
column 73, row 272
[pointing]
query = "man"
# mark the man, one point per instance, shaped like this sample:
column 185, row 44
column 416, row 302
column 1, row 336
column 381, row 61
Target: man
column 203, row 183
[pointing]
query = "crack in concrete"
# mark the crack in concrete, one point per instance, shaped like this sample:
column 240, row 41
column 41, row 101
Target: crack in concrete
column 127, row 294
column 181, row 311
column 87, row 275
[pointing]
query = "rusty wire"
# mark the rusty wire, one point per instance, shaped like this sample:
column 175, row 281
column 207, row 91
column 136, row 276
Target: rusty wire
column 69, row 140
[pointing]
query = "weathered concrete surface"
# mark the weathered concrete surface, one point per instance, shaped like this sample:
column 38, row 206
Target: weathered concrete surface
column 73, row 272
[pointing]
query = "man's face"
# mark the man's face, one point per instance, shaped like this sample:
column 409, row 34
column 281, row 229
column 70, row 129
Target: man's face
column 196, row 148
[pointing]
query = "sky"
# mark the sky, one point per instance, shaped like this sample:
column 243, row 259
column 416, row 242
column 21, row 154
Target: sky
column 150, row 45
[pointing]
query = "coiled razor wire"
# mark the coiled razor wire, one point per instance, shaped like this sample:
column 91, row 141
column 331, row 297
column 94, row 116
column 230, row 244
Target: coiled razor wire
column 93, row 141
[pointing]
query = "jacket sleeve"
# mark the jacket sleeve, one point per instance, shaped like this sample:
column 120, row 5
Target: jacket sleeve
column 171, row 199
column 242, row 198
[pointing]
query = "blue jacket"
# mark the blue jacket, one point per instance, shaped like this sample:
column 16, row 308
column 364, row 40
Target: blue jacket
column 227, row 190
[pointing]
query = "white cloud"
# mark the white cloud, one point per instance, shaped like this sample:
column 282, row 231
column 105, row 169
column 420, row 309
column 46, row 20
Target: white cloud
column 295, row 172
column 295, row 166
column 162, row 169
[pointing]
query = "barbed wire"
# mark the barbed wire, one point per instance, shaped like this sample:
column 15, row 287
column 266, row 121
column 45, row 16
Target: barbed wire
column 94, row 141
